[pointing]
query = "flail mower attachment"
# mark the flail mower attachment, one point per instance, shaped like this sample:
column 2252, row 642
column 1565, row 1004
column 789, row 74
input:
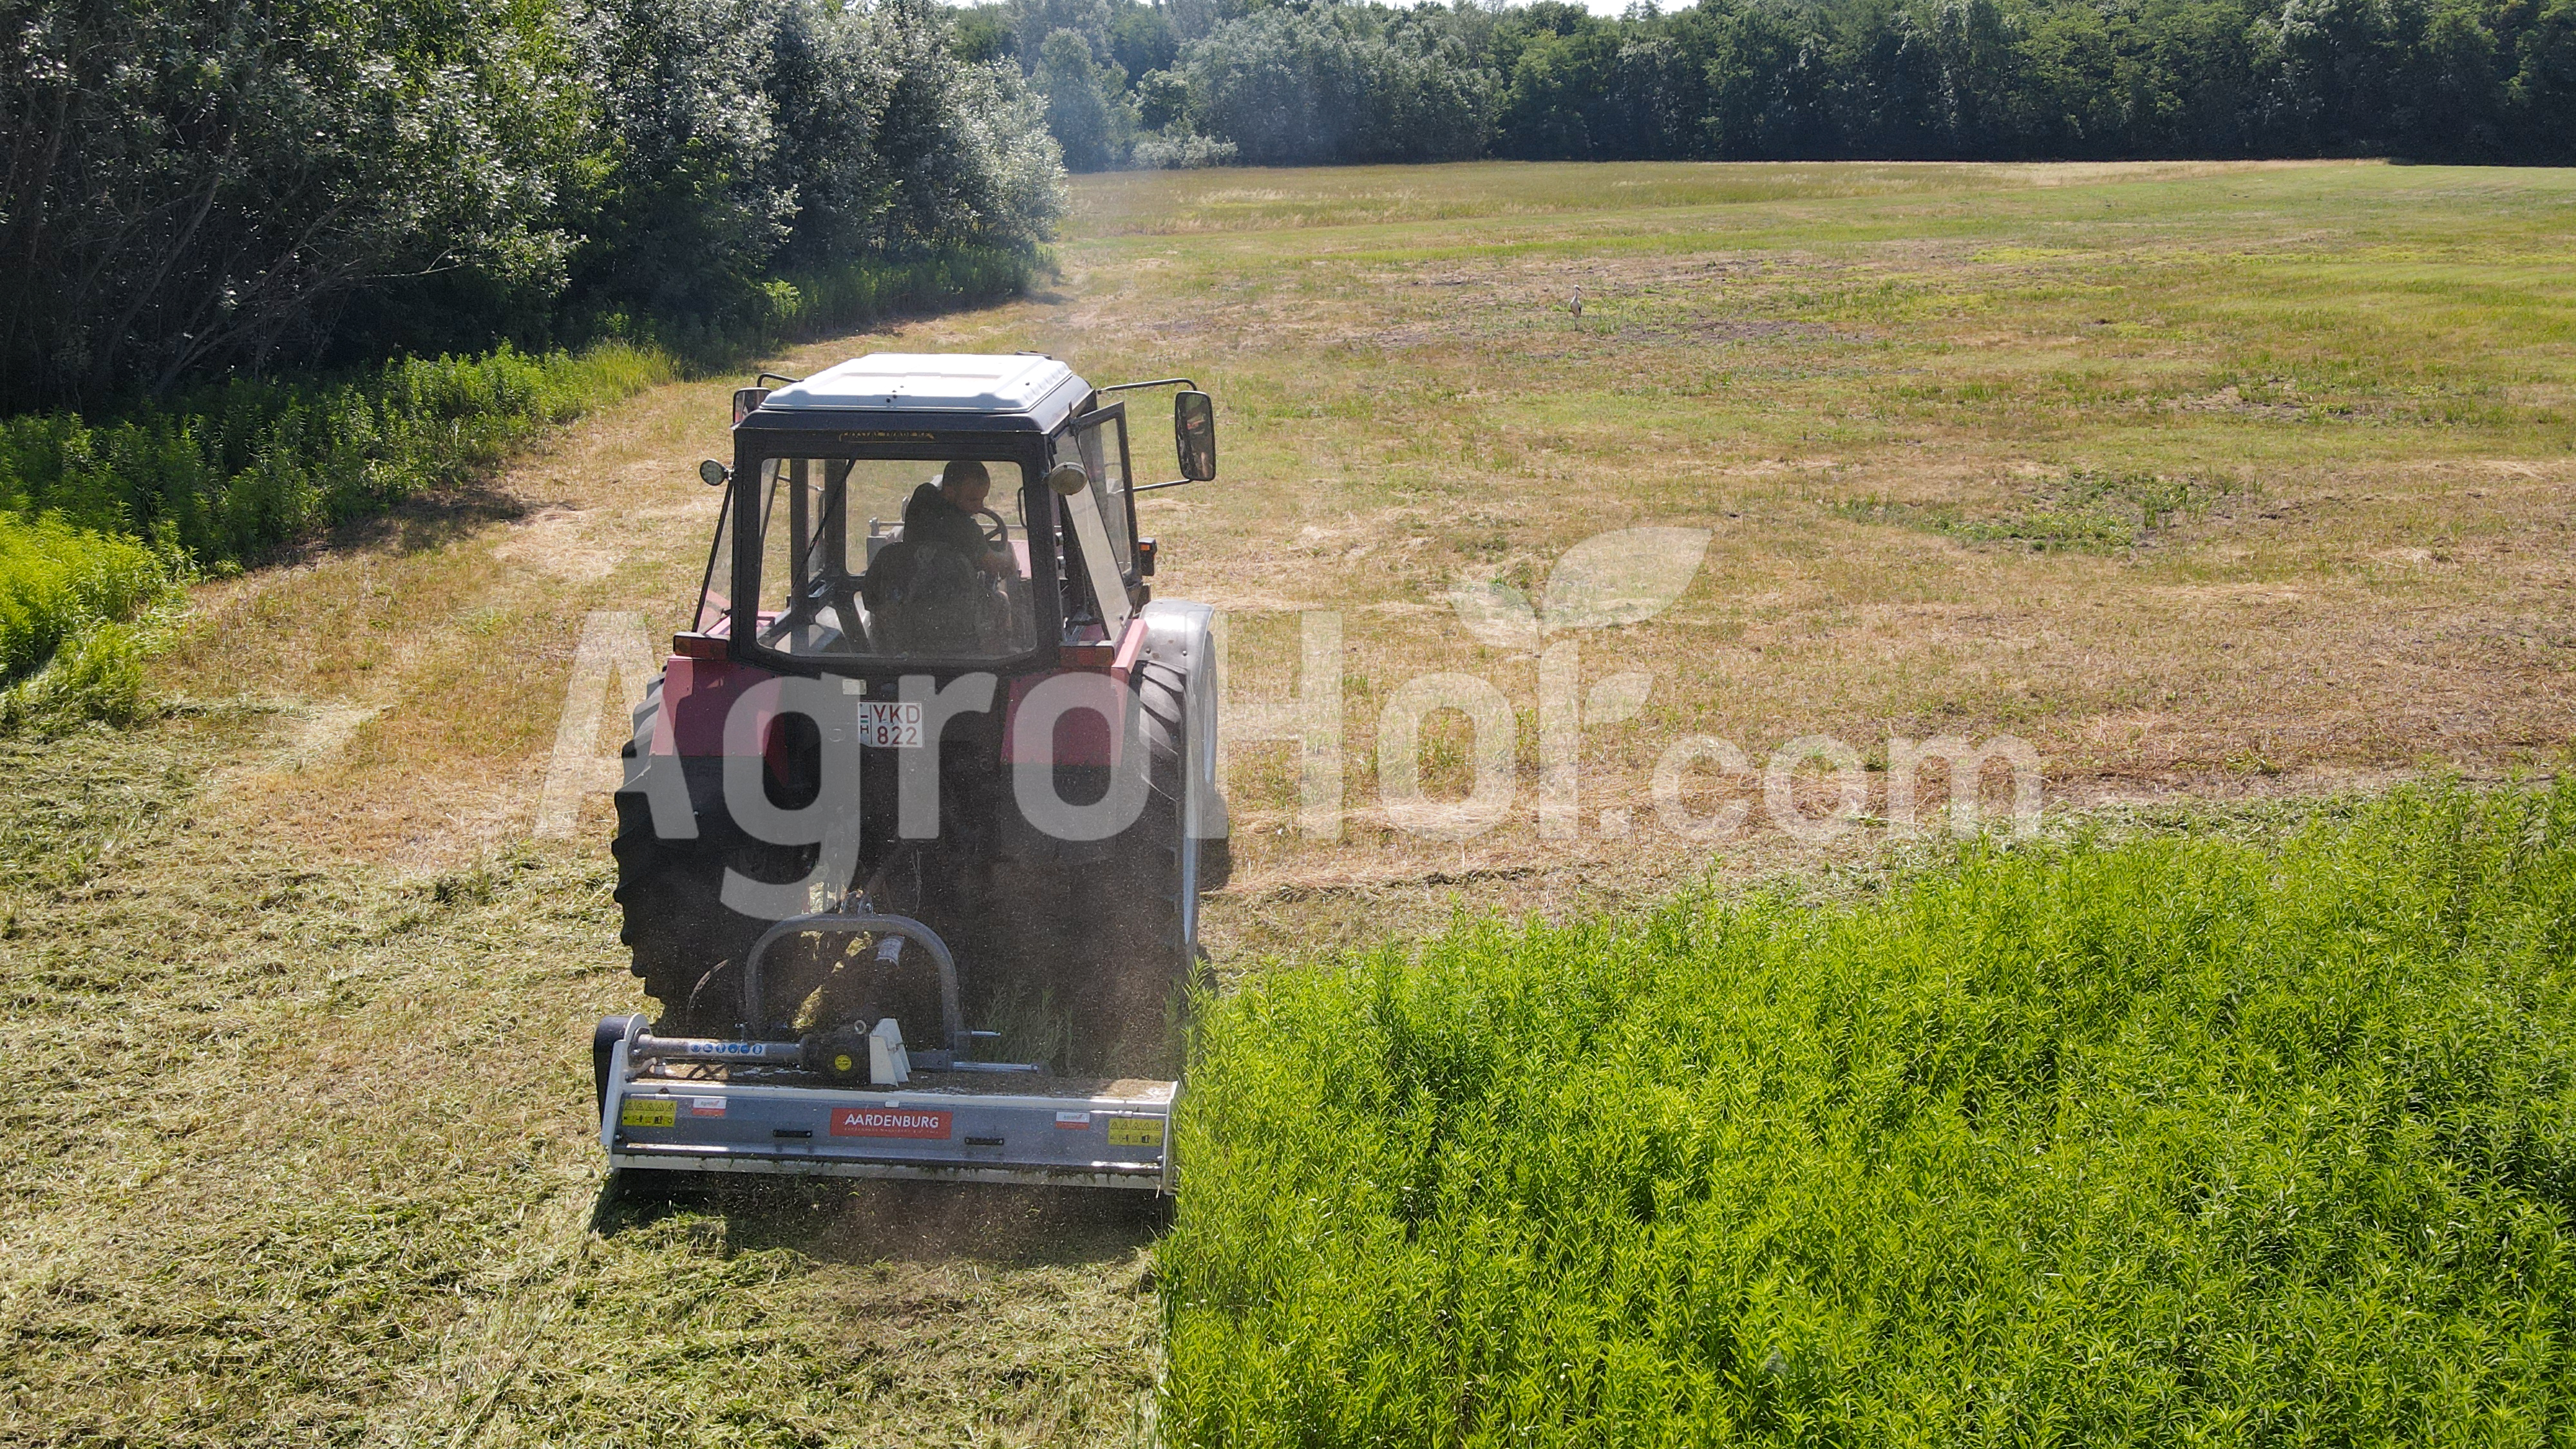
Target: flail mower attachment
column 850, row 1104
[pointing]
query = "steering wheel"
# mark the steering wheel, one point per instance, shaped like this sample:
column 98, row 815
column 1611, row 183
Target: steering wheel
column 1000, row 532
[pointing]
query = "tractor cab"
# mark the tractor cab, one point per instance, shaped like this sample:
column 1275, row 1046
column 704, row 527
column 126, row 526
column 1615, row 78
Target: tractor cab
column 911, row 513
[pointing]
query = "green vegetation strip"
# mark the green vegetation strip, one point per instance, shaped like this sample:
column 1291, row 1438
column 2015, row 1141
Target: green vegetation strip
column 56, row 580
column 2177, row 1139
column 225, row 472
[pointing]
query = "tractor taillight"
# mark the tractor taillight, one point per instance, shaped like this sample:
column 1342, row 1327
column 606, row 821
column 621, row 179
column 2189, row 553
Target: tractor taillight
column 1086, row 656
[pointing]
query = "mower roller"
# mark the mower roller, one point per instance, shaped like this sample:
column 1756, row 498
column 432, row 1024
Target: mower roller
column 929, row 762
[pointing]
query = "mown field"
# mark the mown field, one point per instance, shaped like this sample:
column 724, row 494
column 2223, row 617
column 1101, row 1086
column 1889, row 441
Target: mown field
column 2237, row 490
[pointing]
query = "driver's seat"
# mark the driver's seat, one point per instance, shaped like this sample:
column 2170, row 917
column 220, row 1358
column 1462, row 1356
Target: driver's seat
column 921, row 599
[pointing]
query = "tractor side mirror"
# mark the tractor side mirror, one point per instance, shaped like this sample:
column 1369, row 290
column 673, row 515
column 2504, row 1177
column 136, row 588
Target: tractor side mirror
column 713, row 473
column 1194, row 431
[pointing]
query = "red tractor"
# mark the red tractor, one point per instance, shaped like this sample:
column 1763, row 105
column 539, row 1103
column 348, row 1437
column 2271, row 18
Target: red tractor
column 917, row 818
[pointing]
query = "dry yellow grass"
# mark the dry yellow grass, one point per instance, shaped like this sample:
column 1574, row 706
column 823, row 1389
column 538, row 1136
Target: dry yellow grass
column 1849, row 375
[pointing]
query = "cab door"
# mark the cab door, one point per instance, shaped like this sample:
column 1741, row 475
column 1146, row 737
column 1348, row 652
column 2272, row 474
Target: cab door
column 1102, row 516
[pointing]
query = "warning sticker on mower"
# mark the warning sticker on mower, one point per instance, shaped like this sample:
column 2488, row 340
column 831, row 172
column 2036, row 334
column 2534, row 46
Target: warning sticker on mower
column 888, row 1122
column 1135, row 1131
column 648, row 1112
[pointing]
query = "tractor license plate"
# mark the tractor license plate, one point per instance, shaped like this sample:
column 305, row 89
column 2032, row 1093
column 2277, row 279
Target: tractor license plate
column 887, row 724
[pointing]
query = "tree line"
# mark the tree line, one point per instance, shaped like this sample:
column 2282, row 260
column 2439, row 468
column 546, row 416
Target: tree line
column 193, row 189
column 1185, row 82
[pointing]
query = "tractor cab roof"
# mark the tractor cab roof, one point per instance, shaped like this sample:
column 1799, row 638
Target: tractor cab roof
column 1018, row 392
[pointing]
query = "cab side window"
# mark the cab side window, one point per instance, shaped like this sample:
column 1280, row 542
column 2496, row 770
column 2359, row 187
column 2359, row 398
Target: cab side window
column 1104, row 457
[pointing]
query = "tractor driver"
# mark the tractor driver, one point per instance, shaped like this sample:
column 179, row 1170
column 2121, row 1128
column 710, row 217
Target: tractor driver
column 943, row 513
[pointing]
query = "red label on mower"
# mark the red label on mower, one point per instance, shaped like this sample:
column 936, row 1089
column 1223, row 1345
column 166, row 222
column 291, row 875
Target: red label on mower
column 887, row 1122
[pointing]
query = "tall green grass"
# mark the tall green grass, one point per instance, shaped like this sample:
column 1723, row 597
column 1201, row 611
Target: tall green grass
column 856, row 293
column 2174, row 1141
column 56, row 580
column 229, row 471
column 65, row 594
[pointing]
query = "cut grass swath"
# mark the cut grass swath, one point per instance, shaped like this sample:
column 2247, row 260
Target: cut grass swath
column 2162, row 1141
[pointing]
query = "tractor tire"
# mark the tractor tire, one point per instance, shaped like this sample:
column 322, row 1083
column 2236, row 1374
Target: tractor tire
column 675, row 923
column 1135, row 908
column 687, row 946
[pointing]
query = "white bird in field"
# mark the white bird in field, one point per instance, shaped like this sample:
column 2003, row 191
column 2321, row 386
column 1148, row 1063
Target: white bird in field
column 1576, row 306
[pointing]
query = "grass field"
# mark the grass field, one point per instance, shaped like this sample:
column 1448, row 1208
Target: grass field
column 2221, row 480
column 2229, row 487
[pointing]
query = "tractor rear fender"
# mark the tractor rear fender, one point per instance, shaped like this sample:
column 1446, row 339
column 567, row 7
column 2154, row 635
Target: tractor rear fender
column 697, row 697
column 1089, row 702
column 1180, row 638
column 1176, row 638
column 687, row 719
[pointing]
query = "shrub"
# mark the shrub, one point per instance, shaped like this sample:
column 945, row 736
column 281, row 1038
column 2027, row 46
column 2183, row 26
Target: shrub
column 57, row 580
column 1175, row 151
column 2166, row 1141
column 854, row 294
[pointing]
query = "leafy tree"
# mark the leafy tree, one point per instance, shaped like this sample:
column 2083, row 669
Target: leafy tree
column 2540, row 100
column 1084, row 102
column 195, row 187
column 1162, row 99
column 1768, row 90
column 1554, row 79
column 896, row 145
column 191, row 188
column 1335, row 84
column 1141, row 39
column 979, row 37
column 1032, row 21
column 965, row 149
column 831, row 74
column 683, row 208
column 1347, row 80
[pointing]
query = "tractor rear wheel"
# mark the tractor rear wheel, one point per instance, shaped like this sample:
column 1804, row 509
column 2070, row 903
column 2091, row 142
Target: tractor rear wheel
column 1135, row 911
column 682, row 937
column 688, row 946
